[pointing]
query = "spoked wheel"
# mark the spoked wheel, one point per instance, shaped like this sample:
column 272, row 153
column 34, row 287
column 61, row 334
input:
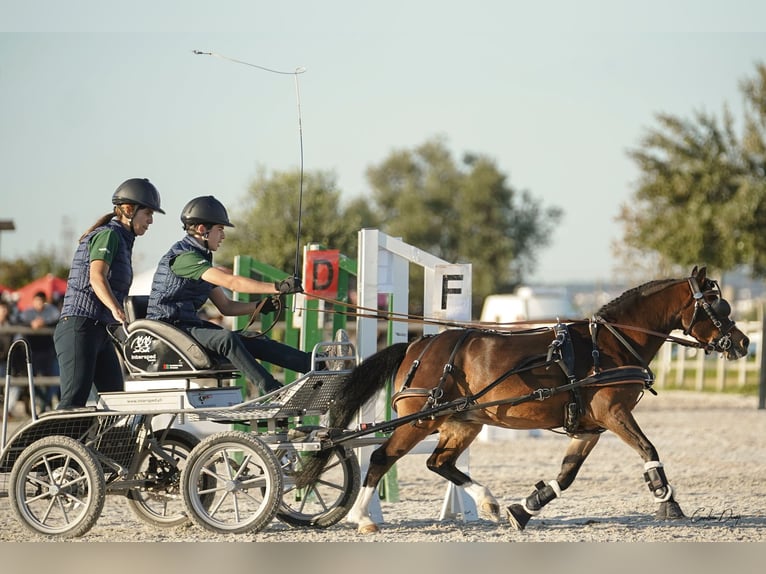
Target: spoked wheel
column 326, row 501
column 232, row 483
column 160, row 502
column 57, row 487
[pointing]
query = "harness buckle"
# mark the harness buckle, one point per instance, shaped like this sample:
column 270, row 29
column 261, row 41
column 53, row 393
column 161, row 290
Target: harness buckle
column 542, row 394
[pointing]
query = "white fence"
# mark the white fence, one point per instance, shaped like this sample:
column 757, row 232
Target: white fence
column 677, row 366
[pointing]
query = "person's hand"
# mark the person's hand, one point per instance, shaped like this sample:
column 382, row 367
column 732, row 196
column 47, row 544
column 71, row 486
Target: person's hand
column 289, row 285
column 270, row 304
column 119, row 315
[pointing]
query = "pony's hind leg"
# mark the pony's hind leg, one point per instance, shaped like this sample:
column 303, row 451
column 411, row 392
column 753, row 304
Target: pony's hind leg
column 578, row 450
column 382, row 459
column 454, row 439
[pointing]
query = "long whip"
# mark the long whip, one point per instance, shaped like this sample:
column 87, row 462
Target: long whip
column 295, row 73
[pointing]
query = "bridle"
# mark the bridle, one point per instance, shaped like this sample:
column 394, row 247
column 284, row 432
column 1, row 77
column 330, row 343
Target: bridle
column 718, row 312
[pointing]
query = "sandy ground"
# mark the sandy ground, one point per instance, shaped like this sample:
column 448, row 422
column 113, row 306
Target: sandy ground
column 713, row 448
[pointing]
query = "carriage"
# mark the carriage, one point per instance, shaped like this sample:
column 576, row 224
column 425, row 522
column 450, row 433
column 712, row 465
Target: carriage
column 583, row 377
column 58, row 468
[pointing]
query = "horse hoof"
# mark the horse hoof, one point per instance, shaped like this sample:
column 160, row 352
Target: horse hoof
column 369, row 529
column 490, row 512
column 517, row 516
column 669, row 510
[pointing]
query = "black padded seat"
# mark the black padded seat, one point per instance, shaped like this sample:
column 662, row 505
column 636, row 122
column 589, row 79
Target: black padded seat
column 154, row 348
column 185, row 344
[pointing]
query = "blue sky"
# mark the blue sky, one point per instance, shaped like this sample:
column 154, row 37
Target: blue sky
column 94, row 92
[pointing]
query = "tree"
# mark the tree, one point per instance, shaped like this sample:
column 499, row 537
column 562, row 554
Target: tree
column 701, row 195
column 267, row 219
column 461, row 213
column 465, row 213
column 20, row 271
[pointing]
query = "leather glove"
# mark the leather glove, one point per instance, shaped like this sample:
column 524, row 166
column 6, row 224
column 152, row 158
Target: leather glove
column 271, row 305
column 289, row 285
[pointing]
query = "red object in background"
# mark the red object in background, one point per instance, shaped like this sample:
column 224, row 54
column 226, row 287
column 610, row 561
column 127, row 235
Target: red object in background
column 53, row 287
column 321, row 273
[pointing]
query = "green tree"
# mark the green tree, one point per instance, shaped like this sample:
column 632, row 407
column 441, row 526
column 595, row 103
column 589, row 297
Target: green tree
column 18, row 272
column 701, row 193
column 267, row 219
column 462, row 213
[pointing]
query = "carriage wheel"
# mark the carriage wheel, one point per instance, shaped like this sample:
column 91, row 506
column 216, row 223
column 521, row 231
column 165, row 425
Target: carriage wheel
column 57, row 487
column 326, row 501
column 232, row 483
column 160, row 502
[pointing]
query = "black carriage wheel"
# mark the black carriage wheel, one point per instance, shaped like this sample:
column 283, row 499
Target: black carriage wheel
column 232, row 483
column 159, row 502
column 57, row 487
column 326, row 501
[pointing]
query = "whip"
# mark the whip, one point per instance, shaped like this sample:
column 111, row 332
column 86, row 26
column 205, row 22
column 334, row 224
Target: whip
column 295, row 73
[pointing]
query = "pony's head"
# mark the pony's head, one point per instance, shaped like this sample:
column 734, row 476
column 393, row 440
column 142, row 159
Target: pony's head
column 707, row 319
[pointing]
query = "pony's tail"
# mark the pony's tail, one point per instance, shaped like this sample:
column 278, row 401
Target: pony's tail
column 369, row 377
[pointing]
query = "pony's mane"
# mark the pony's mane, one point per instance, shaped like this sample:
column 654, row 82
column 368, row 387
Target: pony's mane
column 644, row 290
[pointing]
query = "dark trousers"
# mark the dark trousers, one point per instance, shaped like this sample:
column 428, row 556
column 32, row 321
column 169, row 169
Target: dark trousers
column 243, row 351
column 86, row 357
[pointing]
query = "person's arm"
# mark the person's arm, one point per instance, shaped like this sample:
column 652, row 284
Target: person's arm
column 102, row 248
column 191, row 266
column 228, row 307
column 238, row 283
column 99, row 269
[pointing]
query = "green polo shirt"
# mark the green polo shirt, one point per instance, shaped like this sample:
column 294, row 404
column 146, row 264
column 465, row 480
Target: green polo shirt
column 103, row 245
column 190, row 265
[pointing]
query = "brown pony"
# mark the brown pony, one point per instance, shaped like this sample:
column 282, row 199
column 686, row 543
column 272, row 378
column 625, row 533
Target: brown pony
column 583, row 377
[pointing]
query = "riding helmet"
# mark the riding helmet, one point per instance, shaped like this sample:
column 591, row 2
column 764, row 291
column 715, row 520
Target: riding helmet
column 139, row 191
column 205, row 209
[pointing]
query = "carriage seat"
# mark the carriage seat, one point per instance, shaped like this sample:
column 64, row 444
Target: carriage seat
column 155, row 349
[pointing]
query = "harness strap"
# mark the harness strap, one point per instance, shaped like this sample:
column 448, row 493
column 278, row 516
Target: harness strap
column 626, row 375
column 620, row 337
column 593, row 328
column 435, row 394
column 438, row 392
column 561, row 351
column 415, row 364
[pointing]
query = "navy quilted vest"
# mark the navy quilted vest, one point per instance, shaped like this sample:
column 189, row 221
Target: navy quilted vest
column 176, row 299
column 80, row 300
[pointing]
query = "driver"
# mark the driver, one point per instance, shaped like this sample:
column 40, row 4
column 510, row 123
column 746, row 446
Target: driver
column 186, row 278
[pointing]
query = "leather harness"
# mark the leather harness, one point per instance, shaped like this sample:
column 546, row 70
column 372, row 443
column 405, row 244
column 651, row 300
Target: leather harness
column 560, row 352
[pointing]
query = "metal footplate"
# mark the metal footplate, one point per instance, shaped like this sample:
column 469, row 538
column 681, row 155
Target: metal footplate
column 312, row 394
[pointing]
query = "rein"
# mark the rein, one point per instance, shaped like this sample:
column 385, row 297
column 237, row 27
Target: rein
column 465, row 404
column 371, row 313
column 257, row 311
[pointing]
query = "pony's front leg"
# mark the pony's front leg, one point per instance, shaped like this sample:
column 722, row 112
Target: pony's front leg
column 654, row 475
column 625, row 426
column 578, row 450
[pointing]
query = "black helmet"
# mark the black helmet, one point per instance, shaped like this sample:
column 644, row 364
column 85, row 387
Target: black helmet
column 139, row 191
column 205, row 209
